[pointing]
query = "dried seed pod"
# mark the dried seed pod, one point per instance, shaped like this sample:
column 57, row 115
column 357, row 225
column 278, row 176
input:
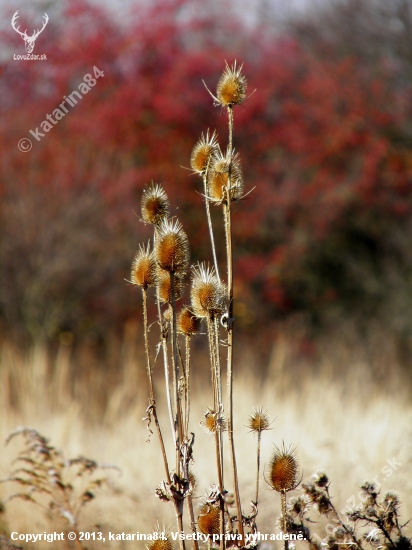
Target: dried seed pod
column 208, row 520
column 232, row 86
column 155, row 204
column 187, row 322
column 213, row 422
column 164, row 286
column 203, row 152
column 218, row 178
column 172, row 247
column 283, row 470
column 208, row 293
column 320, row 479
column 163, row 542
column 259, row 420
column 144, row 268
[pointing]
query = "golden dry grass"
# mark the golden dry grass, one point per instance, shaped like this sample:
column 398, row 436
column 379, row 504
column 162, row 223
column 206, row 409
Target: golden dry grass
column 348, row 425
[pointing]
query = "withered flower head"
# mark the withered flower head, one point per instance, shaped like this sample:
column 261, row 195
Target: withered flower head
column 163, row 542
column 165, row 288
column 232, row 86
column 203, row 152
column 144, row 268
column 218, row 178
column 259, row 420
column 320, row 479
column 208, row 520
column 187, row 322
column 213, row 422
column 155, row 204
column 208, row 293
column 283, row 469
column 172, row 247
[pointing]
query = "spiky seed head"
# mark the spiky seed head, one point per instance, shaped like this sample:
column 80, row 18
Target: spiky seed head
column 298, row 506
column 168, row 314
column 213, row 422
column 323, row 505
column 155, row 204
column 283, row 469
column 218, row 178
column 164, row 286
column 208, row 520
column 187, row 322
column 392, row 500
column 203, row 152
column 320, row 478
column 144, row 268
column 163, row 542
column 259, row 420
column 172, row 247
column 232, row 86
column 208, row 293
column 192, row 480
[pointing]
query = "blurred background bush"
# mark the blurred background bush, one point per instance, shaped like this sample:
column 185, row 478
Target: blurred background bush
column 323, row 243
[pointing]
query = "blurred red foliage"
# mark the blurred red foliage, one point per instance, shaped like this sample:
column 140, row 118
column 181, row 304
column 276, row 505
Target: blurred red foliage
column 325, row 141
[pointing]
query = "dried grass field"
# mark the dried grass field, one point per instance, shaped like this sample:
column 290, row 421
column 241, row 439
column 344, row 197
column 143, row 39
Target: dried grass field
column 338, row 417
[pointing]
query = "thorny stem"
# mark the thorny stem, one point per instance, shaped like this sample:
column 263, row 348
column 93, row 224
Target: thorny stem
column 187, row 380
column 163, row 340
column 209, row 221
column 217, row 409
column 175, row 366
column 219, row 384
column 192, row 520
column 212, row 354
column 229, row 253
column 283, row 505
column 179, row 515
column 348, row 531
column 151, row 389
column 259, row 435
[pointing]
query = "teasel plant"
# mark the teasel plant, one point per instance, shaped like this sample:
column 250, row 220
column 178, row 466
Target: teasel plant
column 165, row 267
column 282, row 476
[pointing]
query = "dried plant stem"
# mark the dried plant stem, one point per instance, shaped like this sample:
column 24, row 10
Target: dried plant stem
column 179, row 514
column 229, row 254
column 187, row 381
column 192, row 520
column 283, row 506
column 259, row 436
column 347, row 529
column 209, row 222
column 212, row 353
column 175, row 366
column 163, row 340
column 151, row 388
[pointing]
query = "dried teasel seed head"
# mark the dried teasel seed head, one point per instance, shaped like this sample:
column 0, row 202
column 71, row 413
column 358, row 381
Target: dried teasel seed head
column 218, row 178
column 299, row 506
column 192, row 481
column 208, row 520
column 163, row 542
column 187, row 322
column 144, row 268
column 172, row 247
column 204, row 152
column 320, row 479
column 155, row 204
column 164, row 286
column 208, row 293
column 232, row 86
column 283, row 469
column 213, row 422
column 259, row 420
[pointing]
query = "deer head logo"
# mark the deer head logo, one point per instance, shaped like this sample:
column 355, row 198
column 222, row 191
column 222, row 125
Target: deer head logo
column 28, row 40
